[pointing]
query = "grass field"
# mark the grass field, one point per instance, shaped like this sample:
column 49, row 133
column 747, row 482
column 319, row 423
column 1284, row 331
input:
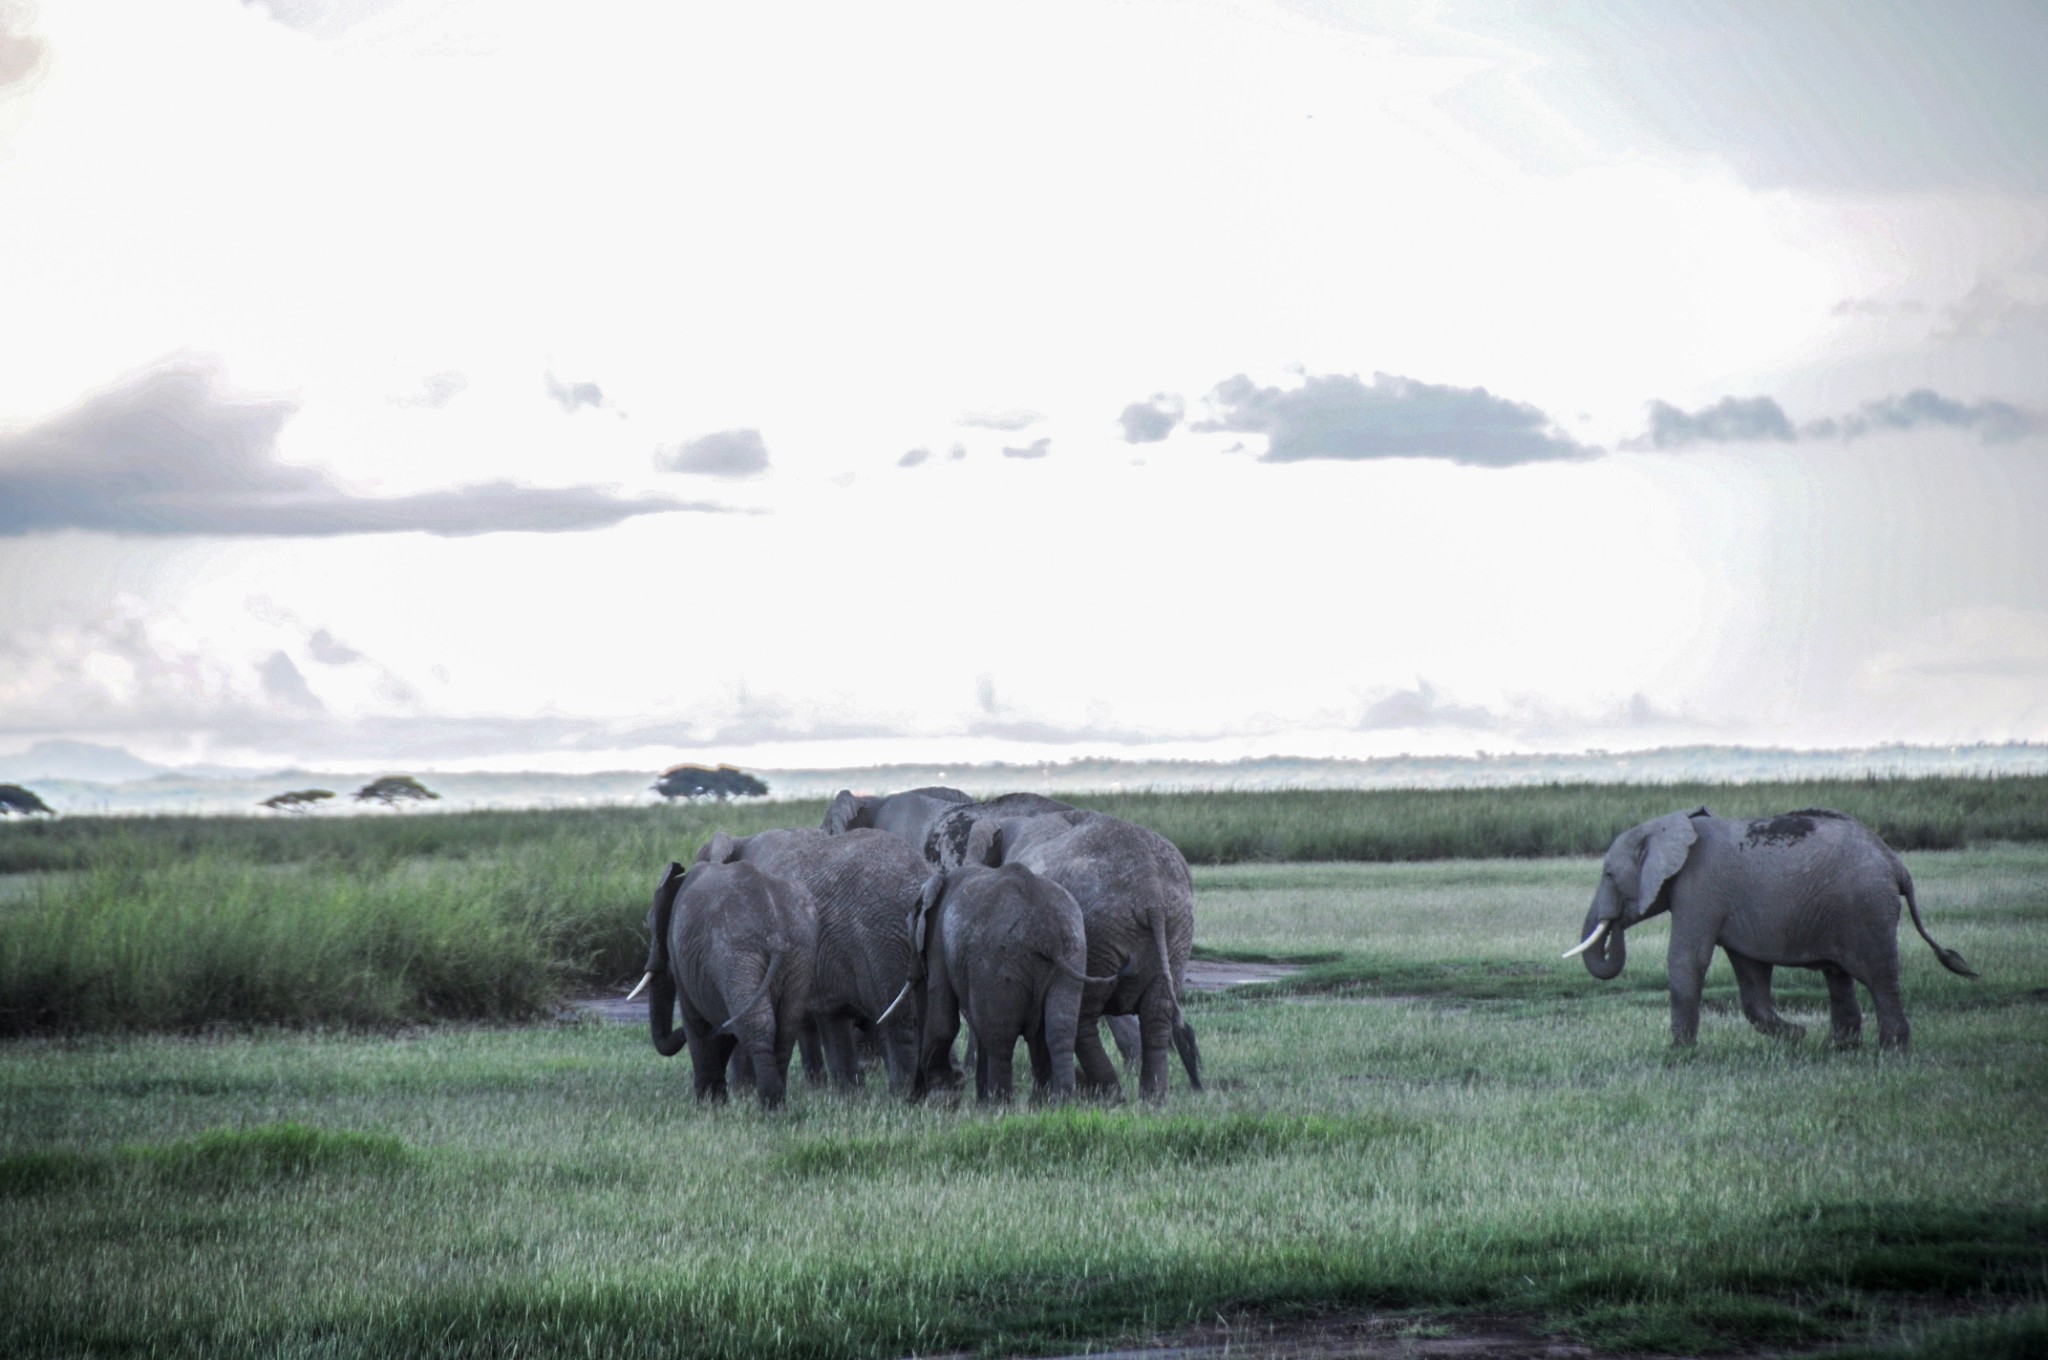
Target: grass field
column 1439, row 1121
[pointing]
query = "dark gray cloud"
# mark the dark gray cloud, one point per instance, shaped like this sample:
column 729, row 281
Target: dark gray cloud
column 728, row 453
column 170, row 452
column 1009, row 421
column 913, row 458
column 1743, row 420
column 1037, row 448
column 436, row 390
column 1148, row 422
column 572, row 396
column 1337, row 416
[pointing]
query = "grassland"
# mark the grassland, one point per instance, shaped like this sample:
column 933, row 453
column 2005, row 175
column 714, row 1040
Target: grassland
column 1439, row 1120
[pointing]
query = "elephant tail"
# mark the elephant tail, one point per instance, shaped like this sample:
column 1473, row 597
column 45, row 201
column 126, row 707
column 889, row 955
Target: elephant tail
column 1165, row 959
column 767, row 982
column 1088, row 979
column 1950, row 959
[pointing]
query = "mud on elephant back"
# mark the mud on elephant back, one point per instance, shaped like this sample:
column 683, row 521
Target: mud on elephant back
column 1809, row 889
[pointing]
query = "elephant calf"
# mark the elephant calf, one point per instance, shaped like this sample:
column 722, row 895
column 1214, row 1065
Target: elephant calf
column 1808, row 889
column 736, row 947
column 1007, row 947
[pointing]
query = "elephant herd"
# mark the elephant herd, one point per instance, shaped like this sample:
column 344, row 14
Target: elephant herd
column 1036, row 920
column 901, row 915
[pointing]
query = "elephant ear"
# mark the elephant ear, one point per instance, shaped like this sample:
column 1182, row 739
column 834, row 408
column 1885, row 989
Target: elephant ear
column 1666, row 843
column 985, row 843
column 844, row 814
column 718, row 851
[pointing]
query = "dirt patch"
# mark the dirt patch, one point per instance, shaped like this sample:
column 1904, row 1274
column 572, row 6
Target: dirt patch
column 1203, row 975
column 1354, row 1337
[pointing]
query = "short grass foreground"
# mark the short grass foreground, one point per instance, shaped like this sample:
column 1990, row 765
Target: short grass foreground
column 1440, row 1121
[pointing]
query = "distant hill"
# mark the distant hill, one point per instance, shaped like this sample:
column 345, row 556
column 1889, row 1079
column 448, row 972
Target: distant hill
column 161, row 790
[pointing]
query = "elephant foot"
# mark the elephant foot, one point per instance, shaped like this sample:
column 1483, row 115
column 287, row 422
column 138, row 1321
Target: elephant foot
column 1843, row 1042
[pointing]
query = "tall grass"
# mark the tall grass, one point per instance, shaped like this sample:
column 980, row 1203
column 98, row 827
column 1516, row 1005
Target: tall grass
column 553, row 1190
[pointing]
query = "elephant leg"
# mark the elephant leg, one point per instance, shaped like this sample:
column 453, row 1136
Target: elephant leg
column 1124, row 1029
column 1685, row 970
column 899, row 1055
column 1843, row 1011
column 710, row 1073
column 811, row 1045
column 1753, row 979
column 994, row 1076
column 1041, row 1062
column 742, row 1063
column 835, row 1036
column 1893, row 1033
column 1155, row 1031
column 1098, row 1075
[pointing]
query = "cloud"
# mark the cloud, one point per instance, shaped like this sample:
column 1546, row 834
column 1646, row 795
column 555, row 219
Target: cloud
column 913, row 458
column 1010, row 421
column 1336, row 416
column 436, row 391
column 285, row 685
column 21, row 51
column 571, row 396
column 1728, row 421
column 1148, row 422
column 1420, row 707
column 1037, row 448
column 1995, row 307
column 1741, row 420
column 170, row 452
column 326, row 649
column 728, row 453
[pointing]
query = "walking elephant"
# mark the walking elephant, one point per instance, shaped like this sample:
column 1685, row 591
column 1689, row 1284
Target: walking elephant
column 1007, row 947
column 735, row 948
column 864, row 884
column 1808, row 889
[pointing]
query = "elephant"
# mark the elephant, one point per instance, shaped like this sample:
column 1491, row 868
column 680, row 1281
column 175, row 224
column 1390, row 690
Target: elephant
column 908, row 816
column 1008, row 947
column 737, row 948
column 1808, row 889
column 863, row 885
column 1138, row 904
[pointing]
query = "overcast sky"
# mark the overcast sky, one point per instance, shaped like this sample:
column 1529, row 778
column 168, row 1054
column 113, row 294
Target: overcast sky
column 479, row 384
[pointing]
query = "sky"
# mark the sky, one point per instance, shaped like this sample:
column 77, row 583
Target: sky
column 475, row 384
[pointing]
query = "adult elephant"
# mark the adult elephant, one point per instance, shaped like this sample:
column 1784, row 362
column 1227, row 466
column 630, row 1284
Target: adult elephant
column 1006, row 946
column 734, row 948
column 1127, row 879
column 864, row 885
column 1808, row 889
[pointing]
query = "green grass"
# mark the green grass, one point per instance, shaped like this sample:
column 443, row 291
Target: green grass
column 1458, row 1125
column 177, row 923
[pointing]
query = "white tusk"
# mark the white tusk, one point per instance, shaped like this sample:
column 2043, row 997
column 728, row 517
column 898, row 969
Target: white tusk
column 640, row 986
column 1588, row 942
column 893, row 1004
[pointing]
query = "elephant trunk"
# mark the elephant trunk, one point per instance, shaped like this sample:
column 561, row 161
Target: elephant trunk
column 1607, row 955
column 661, row 1014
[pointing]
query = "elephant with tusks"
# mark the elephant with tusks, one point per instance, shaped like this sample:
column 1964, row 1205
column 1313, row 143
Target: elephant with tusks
column 1809, row 889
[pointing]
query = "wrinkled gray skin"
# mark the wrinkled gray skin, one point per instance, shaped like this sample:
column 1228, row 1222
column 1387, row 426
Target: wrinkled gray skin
column 734, row 948
column 1137, row 901
column 1809, row 889
column 1006, row 947
column 864, row 885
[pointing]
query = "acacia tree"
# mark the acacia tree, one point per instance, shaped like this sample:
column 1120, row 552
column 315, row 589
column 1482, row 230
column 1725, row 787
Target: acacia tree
column 298, row 800
column 695, row 781
column 394, row 789
column 14, row 798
